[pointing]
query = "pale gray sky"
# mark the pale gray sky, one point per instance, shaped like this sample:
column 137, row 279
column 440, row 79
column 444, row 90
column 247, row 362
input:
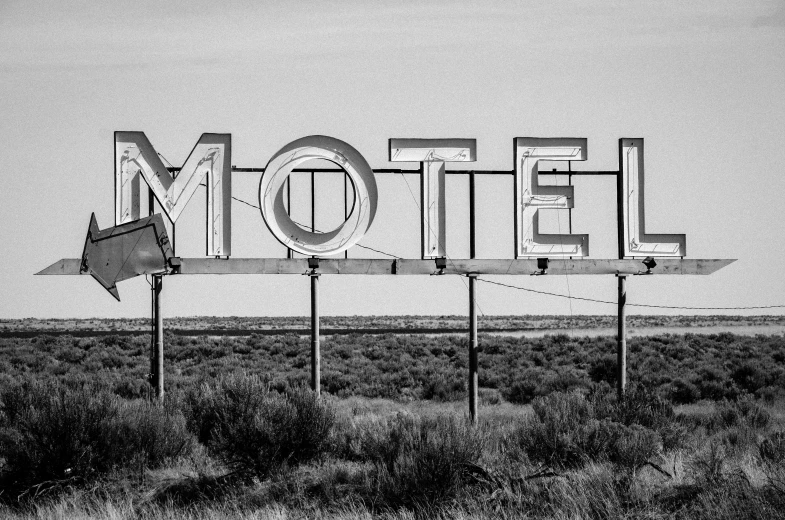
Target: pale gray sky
column 703, row 82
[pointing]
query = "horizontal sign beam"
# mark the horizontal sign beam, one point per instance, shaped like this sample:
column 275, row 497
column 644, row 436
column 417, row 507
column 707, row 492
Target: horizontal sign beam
column 358, row 266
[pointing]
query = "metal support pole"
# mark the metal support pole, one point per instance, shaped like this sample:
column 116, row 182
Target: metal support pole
column 473, row 378
column 621, row 338
column 315, row 355
column 472, row 248
column 289, row 208
column 620, row 205
column 621, row 341
column 423, row 209
column 158, row 374
column 313, row 202
column 569, row 183
column 345, row 205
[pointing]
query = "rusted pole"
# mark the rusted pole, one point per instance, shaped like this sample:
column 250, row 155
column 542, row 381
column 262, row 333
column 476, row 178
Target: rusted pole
column 315, row 354
column 473, row 378
column 158, row 374
column 621, row 340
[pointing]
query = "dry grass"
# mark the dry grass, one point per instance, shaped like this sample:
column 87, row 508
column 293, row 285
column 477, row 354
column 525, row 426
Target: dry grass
column 717, row 474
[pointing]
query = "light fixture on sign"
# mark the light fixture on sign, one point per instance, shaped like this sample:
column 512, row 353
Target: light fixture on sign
column 650, row 264
column 271, row 196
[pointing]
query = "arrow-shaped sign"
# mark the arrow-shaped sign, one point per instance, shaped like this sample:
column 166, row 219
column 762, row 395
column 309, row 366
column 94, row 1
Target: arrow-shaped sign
column 115, row 254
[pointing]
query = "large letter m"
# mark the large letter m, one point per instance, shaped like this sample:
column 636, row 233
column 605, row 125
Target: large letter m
column 209, row 161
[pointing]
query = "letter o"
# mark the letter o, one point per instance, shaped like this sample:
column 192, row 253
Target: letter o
column 271, row 188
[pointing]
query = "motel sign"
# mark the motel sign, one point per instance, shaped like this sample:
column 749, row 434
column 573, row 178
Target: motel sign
column 137, row 162
column 139, row 244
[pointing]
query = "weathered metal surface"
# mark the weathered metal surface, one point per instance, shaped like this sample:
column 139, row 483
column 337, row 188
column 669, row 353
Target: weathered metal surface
column 531, row 197
column 474, row 381
column 158, row 354
column 424, row 150
column 67, row 266
column 276, row 215
column 561, row 267
column 122, row 252
column 316, row 359
column 286, row 266
column 210, row 163
column 670, row 266
column 635, row 241
column 621, row 339
column 432, row 154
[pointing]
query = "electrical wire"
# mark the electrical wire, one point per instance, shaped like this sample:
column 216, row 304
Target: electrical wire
column 165, row 159
column 545, row 293
column 317, row 231
column 437, row 238
column 633, row 304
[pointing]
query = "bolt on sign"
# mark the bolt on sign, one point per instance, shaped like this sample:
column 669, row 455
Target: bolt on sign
column 138, row 167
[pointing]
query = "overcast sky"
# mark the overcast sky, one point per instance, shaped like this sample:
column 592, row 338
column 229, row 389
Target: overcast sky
column 703, row 82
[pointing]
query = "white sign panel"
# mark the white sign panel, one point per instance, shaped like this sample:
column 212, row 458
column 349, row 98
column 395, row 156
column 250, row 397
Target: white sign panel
column 638, row 243
column 432, row 154
column 209, row 164
column 531, row 196
column 209, row 161
column 271, row 196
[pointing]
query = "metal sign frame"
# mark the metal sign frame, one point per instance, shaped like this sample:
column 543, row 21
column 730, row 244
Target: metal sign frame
column 535, row 253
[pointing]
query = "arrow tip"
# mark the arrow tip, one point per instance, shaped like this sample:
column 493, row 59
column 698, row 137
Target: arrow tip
column 92, row 230
column 113, row 291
